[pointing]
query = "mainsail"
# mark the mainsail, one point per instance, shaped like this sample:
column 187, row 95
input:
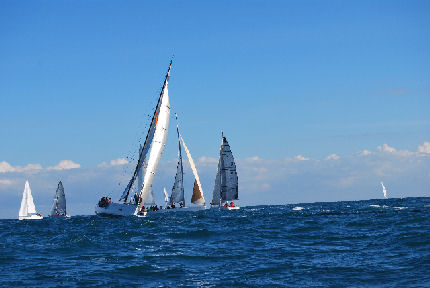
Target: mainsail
column 226, row 181
column 59, row 203
column 27, row 203
column 156, row 139
column 197, row 197
column 178, row 187
column 159, row 119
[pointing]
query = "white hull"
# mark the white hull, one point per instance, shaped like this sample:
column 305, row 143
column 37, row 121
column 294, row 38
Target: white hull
column 117, row 210
column 228, row 208
column 31, row 217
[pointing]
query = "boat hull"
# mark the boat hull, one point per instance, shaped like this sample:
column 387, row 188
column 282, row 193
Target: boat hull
column 31, row 217
column 116, row 210
column 229, row 208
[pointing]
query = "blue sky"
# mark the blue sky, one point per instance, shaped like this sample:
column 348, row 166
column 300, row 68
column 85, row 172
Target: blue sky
column 78, row 80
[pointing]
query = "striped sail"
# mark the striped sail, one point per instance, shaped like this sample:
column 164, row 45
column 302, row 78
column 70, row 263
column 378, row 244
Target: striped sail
column 226, row 181
column 59, row 203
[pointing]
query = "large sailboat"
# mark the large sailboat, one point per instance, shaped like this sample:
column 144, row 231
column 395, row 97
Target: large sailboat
column 28, row 210
column 145, row 167
column 226, row 181
column 59, row 204
column 177, row 197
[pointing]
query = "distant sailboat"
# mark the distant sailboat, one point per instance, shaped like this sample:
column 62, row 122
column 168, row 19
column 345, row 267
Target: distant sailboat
column 59, row 203
column 166, row 197
column 28, row 210
column 384, row 190
column 154, row 144
column 178, row 196
column 226, row 181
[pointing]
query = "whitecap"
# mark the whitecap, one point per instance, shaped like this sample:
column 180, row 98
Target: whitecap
column 298, row 208
column 374, row 205
column 400, row 208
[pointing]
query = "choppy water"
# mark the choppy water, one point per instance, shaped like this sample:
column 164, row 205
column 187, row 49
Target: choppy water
column 375, row 243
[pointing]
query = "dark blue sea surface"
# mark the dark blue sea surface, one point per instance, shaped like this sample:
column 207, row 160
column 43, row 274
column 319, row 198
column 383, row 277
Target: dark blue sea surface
column 374, row 243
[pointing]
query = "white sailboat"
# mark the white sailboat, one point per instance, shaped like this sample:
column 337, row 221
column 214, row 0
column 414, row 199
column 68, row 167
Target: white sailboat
column 384, row 190
column 58, row 208
column 28, row 210
column 154, row 144
column 226, row 181
column 177, row 197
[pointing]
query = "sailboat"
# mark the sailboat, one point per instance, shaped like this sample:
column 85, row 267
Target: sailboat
column 177, row 196
column 28, row 210
column 146, row 167
column 384, row 190
column 226, row 181
column 59, row 204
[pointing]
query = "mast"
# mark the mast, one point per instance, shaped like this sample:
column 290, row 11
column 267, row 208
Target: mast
column 149, row 137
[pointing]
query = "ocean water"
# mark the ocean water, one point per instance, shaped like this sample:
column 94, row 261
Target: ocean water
column 374, row 243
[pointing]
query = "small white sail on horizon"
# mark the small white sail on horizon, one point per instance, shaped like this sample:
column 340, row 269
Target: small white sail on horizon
column 384, row 190
column 166, row 196
column 28, row 209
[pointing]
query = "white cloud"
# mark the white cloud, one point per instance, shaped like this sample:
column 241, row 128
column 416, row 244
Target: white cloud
column 117, row 162
column 332, row 157
column 6, row 182
column 208, row 160
column 425, row 148
column 5, row 167
column 386, row 148
column 301, row 158
column 365, row 152
column 114, row 162
column 255, row 158
column 65, row 165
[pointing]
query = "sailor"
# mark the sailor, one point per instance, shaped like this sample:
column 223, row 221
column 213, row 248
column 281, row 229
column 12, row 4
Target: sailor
column 173, row 205
column 225, row 205
column 231, row 204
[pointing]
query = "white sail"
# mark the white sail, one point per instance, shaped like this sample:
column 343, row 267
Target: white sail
column 157, row 146
column 27, row 204
column 384, row 190
column 201, row 199
column 166, row 196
